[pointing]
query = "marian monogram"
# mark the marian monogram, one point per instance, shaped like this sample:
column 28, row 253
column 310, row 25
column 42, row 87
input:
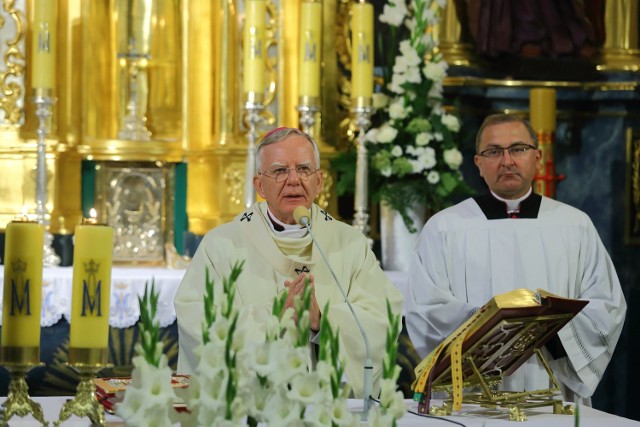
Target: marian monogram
column 91, row 290
column 20, row 300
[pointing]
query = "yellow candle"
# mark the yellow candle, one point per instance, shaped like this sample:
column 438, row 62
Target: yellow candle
column 22, row 293
column 253, row 46
column 43, row 44
column 91, row 293
column 542, row 109
column 361, row 50
column 310, row 37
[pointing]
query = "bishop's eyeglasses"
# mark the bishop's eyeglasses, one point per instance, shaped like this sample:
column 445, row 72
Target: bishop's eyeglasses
column 517, row 151
column 280, row 174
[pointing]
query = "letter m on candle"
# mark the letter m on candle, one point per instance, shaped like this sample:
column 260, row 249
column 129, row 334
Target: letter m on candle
column 20, row 301
column 364, row 50
column 91, row 290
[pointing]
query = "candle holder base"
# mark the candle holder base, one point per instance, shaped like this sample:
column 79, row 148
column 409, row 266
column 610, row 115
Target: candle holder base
column 307, row 116
column 18, row 400
column 85, row 403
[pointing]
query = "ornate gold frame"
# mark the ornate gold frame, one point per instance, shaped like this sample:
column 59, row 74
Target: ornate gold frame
column 632, row 192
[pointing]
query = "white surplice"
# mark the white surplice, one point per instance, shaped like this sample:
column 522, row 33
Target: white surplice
column 462, row 260
column 250, row 237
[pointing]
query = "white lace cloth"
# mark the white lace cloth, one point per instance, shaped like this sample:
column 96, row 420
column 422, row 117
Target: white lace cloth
column 126, row 284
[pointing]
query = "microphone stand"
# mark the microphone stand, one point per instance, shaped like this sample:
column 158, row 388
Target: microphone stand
column 368, row 364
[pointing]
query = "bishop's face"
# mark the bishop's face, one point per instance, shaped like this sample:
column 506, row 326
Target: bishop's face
column 507, row 176
column 280, row 183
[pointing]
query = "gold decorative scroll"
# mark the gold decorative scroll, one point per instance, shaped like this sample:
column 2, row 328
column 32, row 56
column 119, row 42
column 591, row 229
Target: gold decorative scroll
column 632, row 194
column 13, row 68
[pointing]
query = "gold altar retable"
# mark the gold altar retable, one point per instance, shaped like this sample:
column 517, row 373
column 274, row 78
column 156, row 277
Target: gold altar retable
column 142, row 85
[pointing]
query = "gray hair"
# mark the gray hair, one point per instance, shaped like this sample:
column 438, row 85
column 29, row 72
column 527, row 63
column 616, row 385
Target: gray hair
column 280, row 134
column 501, row 118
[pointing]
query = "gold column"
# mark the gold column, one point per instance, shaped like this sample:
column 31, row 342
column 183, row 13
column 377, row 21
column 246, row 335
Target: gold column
column 453, row 42
column 226, row 68
column 620, row 51
column 67, row 205
column 216, row 151
column 199, row 112
column 288, row 63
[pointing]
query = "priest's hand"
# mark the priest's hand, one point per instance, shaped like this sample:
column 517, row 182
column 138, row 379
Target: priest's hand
column 296, row 287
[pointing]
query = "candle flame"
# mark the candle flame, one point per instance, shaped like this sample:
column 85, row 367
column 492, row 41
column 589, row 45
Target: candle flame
column 93, row 213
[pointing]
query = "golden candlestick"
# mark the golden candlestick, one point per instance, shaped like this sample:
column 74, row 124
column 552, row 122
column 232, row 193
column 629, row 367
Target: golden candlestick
column 362, row 110
column 87, row 362
column 18, row 361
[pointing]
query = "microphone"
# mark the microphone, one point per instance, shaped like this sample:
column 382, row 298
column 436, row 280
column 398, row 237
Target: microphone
column 303, row 217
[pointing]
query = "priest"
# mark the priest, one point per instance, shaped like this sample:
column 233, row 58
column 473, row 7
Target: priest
column 513, row 238
column 280, row 254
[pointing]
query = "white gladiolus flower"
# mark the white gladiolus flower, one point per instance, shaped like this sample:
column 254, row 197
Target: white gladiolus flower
column 397, row 80
column 433, row 177
column 280, row 410
column 429, row 15
column 219, row 330
column 409, row 54
column 453, row 158
column 435, row 71
column 387, row 390
column 401, row 65
column 211, row 356
column 413, row 75
column 292, row 361
column 149, row 399
column 318, row 416
column 396, row 151
column 451, row 122
column 380, row 420
column 305, row 388
column 435, row 92
column 410, row 24
column 264, row 358
column 340, row 414
column 394, row 14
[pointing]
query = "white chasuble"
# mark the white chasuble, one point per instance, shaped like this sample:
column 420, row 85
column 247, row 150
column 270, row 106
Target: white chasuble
column 249, row 237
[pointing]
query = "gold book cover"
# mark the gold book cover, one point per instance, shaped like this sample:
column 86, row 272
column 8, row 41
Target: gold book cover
column 499, row 337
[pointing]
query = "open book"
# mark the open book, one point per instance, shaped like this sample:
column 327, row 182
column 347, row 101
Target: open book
column 494, row 341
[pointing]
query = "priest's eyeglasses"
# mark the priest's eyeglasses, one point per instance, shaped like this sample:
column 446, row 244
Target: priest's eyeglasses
column 281, row 174
column 517, row 151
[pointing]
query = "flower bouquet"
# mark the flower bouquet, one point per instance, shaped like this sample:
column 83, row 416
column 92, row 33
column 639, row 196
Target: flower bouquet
column 256, row 369
column 413, row 154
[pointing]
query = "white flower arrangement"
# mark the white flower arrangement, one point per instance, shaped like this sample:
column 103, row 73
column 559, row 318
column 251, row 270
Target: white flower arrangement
column 150, row 397
column 255, row 376
column 410, row 118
